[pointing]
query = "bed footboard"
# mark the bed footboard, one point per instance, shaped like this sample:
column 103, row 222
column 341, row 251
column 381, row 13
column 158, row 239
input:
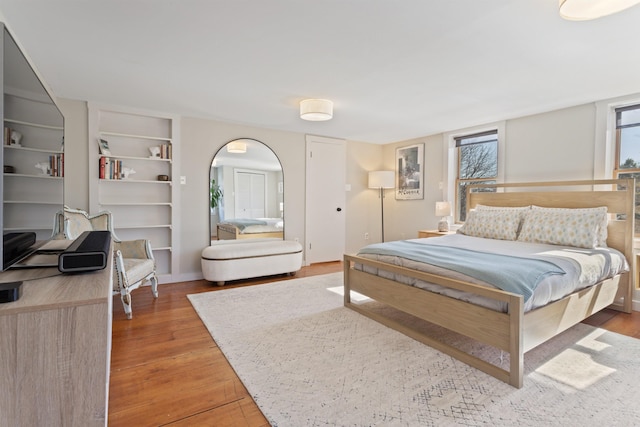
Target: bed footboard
column 500, row 330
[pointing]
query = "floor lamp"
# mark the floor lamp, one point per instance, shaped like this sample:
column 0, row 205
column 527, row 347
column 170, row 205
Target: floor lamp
column 382, row 180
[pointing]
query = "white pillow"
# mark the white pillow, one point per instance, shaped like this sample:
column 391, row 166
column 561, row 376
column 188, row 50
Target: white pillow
column 501, row 224
column 580, row 228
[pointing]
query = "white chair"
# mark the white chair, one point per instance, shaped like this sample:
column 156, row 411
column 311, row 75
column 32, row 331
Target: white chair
column 133, row 259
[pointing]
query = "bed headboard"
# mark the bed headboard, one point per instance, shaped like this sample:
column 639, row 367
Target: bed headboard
column 618, row 195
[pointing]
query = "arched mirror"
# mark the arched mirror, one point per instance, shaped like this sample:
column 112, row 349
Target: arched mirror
column 246, row 192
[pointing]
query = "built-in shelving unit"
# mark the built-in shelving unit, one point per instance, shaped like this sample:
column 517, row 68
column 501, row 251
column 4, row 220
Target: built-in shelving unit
column 142, row 147
column 33, row 162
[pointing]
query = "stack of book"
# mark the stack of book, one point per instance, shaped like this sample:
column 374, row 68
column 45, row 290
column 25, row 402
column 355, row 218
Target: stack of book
column 110, row 168
column 7, row 135
column 56, row 165
column 165, row 151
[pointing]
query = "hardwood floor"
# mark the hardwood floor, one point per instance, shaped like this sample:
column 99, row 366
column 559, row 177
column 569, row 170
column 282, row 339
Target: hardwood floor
column 166, row 370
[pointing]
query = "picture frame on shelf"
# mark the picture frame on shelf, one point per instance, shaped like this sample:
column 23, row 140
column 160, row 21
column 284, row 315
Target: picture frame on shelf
column 103, row 145
column 409, row 172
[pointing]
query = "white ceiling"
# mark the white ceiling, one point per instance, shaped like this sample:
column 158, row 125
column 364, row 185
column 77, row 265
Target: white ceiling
column 395, row 69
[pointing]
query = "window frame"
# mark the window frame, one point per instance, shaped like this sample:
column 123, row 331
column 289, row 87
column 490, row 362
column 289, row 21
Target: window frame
column 617, row 170
column 450, row 159
column 461, row 182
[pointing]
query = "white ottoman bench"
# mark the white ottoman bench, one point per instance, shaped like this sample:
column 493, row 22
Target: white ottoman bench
column 228, row 260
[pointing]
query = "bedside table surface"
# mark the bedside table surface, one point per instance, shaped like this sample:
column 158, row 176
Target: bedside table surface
column 433, row 233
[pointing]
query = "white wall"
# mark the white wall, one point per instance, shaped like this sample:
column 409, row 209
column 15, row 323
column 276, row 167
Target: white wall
column 76, row 153
column 558, row 145
column 363, row 204
column 403, row 218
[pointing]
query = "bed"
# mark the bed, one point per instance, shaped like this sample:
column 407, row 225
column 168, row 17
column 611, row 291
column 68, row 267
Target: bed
column 250, row 228
column 493, row 316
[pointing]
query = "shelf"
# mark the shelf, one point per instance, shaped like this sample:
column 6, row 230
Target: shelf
column 132, row 136
column 35, row 125
column 135, row 227
column 37, row 227
column 126, row 135
column 135, row 181
column 33, row 150
column 25, row 175
column 135, row 204
column 33, row 202
column 152, row 159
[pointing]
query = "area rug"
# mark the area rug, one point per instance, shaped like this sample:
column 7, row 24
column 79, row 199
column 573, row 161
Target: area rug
column 308, row 361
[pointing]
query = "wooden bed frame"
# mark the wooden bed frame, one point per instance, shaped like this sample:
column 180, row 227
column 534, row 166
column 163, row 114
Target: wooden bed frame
column 225, row 233
column 515, row 332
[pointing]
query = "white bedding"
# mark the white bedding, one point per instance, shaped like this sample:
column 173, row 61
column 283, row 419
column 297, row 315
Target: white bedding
column 272, row 225
column 583, row 267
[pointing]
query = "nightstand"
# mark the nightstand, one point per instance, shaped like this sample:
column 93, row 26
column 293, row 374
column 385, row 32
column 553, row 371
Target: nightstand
column 433, row 233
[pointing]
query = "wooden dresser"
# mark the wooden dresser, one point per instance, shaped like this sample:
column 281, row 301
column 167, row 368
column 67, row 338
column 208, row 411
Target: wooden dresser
column 55, row 347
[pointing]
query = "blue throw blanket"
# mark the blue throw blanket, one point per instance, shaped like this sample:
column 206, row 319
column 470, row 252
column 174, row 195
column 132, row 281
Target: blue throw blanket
column 512, row 274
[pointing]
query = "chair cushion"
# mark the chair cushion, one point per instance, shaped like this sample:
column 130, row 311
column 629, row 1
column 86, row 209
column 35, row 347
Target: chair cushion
column 136, row 269
column 77, row 224
column 249, row 248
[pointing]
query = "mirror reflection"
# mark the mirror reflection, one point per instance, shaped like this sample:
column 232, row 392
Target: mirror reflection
column 32, row 183
column 246, row 192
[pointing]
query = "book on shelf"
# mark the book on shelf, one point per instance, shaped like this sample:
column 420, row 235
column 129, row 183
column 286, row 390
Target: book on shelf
column 101, row 166
column 165, row 151
column 110, row 168
column 56, row 165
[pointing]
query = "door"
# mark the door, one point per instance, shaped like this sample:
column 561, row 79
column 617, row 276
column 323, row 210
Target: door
column 250, row 195
column 325, row 199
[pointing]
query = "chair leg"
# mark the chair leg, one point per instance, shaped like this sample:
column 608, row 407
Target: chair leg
column 154, row 285
column 126, row 302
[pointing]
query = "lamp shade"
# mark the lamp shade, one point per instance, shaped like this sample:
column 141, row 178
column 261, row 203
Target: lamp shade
column 582, row 10
column 382, row 179
column 443, row 209
column 316, row 110
column 237, row 147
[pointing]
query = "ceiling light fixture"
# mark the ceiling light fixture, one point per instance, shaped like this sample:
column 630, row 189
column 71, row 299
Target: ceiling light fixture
column 238, row 147
column 316, row 110
column 584, row 10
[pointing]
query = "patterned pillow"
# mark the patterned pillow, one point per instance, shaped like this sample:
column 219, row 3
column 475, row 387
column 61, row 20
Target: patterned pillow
column 568, row 227
column 522, row 211
column 498, row 224
column 601, row 212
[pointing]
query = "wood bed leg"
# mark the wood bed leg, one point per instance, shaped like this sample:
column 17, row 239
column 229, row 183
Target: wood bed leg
column 516, row 347
column 345, row 280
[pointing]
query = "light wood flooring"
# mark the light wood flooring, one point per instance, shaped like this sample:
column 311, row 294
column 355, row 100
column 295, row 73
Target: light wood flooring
column 167, row 370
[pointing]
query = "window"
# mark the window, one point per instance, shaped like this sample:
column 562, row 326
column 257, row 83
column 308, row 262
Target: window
column 477, row 164
column 628, row 148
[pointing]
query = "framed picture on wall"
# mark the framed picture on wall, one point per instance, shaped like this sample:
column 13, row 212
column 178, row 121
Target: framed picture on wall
column 409, row 172
column 103, row 145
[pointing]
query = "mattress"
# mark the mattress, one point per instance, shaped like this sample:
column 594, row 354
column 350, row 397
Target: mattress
column 582, row 267
column 258, row 225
